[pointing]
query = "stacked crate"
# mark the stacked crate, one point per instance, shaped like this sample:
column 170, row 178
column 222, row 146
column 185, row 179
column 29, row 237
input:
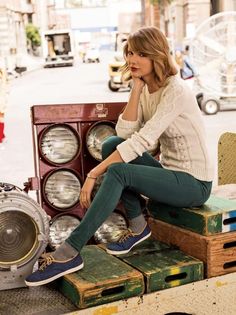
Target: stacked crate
column 163, row 266
column 207, row 233
column 150, row 266
column 103, row 279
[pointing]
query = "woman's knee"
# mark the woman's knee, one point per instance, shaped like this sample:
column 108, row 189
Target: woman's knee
column 109, row 145
column 119, row 171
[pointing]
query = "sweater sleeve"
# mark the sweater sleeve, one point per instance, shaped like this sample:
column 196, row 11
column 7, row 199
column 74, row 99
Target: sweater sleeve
column 171, row 105
column 125, row 128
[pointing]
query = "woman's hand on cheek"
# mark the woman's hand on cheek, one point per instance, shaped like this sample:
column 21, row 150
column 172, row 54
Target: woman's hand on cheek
column 85, row 194
column 138, row 82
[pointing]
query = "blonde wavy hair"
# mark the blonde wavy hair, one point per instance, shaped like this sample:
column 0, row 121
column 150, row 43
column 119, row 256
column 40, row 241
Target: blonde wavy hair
column 153, row 44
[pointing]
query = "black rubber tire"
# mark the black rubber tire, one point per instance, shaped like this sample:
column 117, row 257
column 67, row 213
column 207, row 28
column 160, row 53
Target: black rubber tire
column 199, row 98
column 210, row 106
column 112, row 88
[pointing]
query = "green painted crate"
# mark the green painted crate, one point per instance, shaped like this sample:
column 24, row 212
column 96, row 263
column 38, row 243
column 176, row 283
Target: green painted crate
column 163, row 266
column 217, row 215
column 103, row 279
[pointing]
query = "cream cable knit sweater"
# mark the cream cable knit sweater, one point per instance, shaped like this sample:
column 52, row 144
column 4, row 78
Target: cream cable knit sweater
column 171, row 116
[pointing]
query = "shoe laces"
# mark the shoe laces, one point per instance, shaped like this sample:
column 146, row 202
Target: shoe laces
column 127, row 233
column 45, row 260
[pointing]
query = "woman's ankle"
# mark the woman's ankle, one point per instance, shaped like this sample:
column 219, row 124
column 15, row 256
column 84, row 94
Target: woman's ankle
column 64, row 252
column 138, row 224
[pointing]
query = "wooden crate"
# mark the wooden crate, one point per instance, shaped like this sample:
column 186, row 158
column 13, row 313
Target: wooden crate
column 217, row 215
column 218, row 252
column 103, row 279
column 215, row 296
column 163, row 266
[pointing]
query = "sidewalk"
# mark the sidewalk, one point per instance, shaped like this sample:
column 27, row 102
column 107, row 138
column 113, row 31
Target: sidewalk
column 30, row 62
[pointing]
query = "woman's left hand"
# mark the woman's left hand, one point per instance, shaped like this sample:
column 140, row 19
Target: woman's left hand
column 85, row 193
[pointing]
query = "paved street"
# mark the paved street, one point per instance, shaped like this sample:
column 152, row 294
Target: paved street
column 81, row 83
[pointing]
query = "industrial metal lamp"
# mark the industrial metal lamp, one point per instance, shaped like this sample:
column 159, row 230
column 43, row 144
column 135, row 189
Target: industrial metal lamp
column 67, row 142
column 24, row 230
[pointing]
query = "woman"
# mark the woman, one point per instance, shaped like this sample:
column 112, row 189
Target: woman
column 161, row 108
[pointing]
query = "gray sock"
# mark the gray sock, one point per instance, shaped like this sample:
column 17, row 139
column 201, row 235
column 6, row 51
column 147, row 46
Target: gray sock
column 138, row 224
column 64, row 252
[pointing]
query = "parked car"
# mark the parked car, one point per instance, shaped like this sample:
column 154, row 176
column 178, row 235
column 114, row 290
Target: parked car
column 92, row 55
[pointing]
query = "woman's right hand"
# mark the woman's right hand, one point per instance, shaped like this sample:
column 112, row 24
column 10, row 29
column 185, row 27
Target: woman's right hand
column 85, row 193
column 138, row 83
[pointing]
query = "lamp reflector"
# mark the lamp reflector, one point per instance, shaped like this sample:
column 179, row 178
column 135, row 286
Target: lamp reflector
column 18, row 237
column 96, row 135
column 60, row 229
column 111, row 230
column 62, row 189
column 59, row 144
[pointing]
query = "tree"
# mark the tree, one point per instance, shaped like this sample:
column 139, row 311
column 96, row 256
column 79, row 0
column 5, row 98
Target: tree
column 33, row 36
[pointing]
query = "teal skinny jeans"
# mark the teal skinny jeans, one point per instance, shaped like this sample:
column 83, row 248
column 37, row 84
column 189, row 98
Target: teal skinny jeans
column 127, row 181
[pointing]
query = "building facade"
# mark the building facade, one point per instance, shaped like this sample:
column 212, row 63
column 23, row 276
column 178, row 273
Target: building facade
column 95, row 22
column 14, row 16
column 179, row 19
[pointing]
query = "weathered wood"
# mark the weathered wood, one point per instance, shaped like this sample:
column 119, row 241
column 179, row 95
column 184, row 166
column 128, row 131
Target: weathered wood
column 103, row 279
column 215, row 296
column 217, row 215
column 163, row 266
column 218, row 252
column 226, row 158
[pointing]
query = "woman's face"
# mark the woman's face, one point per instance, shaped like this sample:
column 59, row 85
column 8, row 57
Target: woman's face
column 140, row 66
